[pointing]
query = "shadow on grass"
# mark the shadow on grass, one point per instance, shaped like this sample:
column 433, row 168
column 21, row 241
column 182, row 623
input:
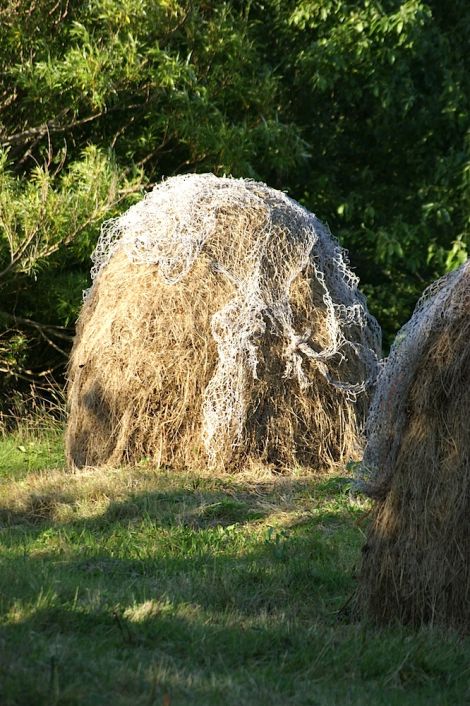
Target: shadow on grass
column 199, row 588
column 232, row 562
column 214, row 548
column 196, row 506
column 207, row 653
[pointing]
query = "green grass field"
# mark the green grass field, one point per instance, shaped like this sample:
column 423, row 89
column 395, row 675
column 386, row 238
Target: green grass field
column 144, row 587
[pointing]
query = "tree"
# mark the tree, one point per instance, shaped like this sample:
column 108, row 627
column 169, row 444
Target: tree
column 99, row 101
column 380, row 92
column 359, row 109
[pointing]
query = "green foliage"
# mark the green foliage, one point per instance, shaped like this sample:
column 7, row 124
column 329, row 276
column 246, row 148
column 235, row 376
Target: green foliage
column 381, row 91
column 47, row 225
column 359, row 109
column 55, row 208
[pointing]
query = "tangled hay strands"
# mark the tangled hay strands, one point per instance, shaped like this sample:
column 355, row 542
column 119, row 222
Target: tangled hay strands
column 223, row 326
column 416, row 561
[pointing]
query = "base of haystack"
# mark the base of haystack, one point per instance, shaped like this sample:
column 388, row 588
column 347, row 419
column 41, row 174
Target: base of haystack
column 413, row 583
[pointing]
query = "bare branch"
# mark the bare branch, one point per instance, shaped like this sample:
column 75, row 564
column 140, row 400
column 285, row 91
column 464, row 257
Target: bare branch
column 52, row 329
column 53, row 127
column 30, row 375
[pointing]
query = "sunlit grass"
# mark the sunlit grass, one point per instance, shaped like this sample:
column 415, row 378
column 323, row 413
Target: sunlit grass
column 142, row 586
column 24, row 452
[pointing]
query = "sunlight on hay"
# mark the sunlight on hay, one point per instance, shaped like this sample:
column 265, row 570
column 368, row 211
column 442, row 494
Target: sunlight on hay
column 223, row 325
column 416, row 562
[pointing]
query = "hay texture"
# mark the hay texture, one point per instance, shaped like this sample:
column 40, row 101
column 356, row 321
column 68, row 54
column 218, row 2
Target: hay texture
column 223, row 326
column 416, row 561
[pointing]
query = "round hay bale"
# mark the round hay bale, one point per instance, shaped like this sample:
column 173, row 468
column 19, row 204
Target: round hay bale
column 416, row 561
column 223, row 326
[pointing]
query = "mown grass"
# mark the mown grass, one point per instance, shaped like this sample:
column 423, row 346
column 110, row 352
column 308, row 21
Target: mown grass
column 144, row 587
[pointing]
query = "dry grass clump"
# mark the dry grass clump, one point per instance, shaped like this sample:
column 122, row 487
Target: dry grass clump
column 223, row 326
column 416, row 562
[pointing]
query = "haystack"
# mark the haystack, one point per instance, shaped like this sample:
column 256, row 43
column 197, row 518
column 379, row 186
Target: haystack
column 223, row 326
column 416, row 562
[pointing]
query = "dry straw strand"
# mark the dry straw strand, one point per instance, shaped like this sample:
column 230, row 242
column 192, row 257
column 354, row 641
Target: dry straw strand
column 223, row 325
column 416, row 561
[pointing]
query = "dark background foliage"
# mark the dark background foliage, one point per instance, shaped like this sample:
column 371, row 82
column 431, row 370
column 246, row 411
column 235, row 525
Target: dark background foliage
column 360, row 110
